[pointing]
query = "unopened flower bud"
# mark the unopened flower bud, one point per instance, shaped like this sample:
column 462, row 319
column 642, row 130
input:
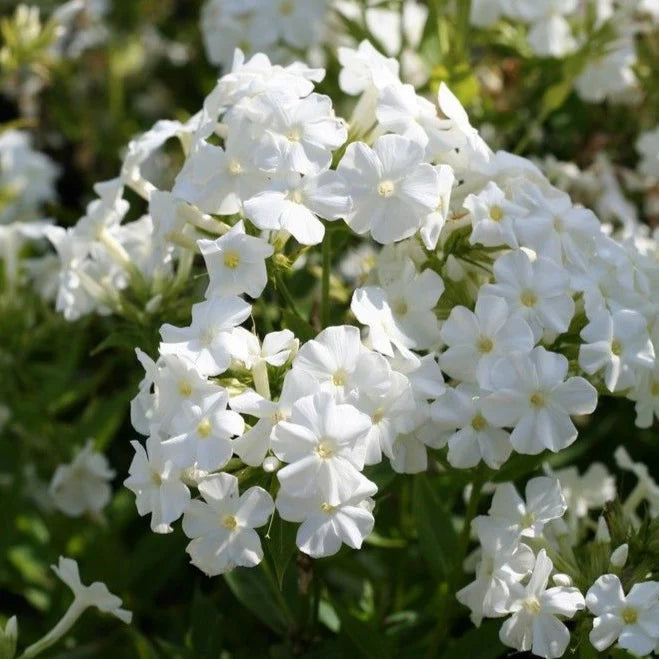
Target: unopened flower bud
column 602, row 535
column 8, row 637
column 270, row 464
column 619, row 556
column 453, row 269
column 562, row 580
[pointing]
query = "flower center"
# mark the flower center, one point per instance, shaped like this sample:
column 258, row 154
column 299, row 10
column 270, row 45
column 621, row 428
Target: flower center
column 229, row 522
column 528, row 298
column 185, row 388
column 326, row 507
column 386, row 188
column 616, row 347
column 204, row 428
column 286, row 8
column 558, row 223
column 296, row 196
column 478, row 422
column 206, row 336
column 485, row 345
column 293, row 135
column 231, row 259
column 528, row 520
column 324, row 450
column 630, row 615
column 156, row 478
column 400, row 307
column 537, row 399
column 339, row 378
column 378, row 415
column 235, row 167
column 279, row 415
column 532, row 605
column 496, row 213
column 654, row 390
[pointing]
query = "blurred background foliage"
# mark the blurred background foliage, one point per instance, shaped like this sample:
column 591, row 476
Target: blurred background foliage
column 65, row 382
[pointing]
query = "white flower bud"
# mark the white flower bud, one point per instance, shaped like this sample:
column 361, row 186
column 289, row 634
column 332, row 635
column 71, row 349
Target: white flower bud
column 271, row 464
column 154, row 303
column 602, row 535
column 562, row 580
column 619, row 556
column 8, row 637
column 453, row 269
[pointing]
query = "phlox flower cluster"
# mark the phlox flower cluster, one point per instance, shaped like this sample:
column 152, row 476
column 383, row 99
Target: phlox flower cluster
column 542, row 561
column 493, row 312
column 561, row 28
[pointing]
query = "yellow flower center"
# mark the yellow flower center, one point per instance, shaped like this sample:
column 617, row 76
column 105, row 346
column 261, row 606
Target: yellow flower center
column 532, row 605
column 278, row 416
column 156, row 478
column 185, row 388
column 400, row 307
column 616, row 347
column 339, row 378
column 231, row 259
column 378, row 415
column 528, row 520
column 537, row 399
column 485, row 345
column 326, row 507
column 386, row 188
column 286, row 8
column 324, row 450
column 229, row 522
column 296, row 196
column 293, row 135
column 496, row 213
column 235, row 167
column 630, row 615
column 478, row 423
column 655, row 388
column 204, row 428
column 528, row 298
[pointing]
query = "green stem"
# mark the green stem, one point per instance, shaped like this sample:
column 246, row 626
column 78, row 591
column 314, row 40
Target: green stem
column 282, row 289
column 325, row 290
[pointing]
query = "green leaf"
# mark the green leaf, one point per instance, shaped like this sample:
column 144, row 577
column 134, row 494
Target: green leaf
column 254, row 591
column 297, row 325
column 366, row 638
column 281, row 546
column 438, row 540
column 555, row 96
column 481, row 643
column 206, row 627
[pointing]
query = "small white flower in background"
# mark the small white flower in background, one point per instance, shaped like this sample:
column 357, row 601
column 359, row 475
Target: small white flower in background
column 457, row 415
column 646, row 395
column 391, row 187
column 531, row 394
column 325, row 446
column 583, row 492
column 632, row 619
column 538, row 291
column 646, row 488
column 222, row 525
column 618, row 343
column 84, row 484
column 324, row 526
column 365, row 68
column 205, row 435
column 534, row 624
column 206, row 342
column 503, row 561
column 477, row 340
column 236, row 263
column 544, row 502
column 95, row 595
column 550, row 34
column 156, row 482
column 493, row 217
column 647, row 146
